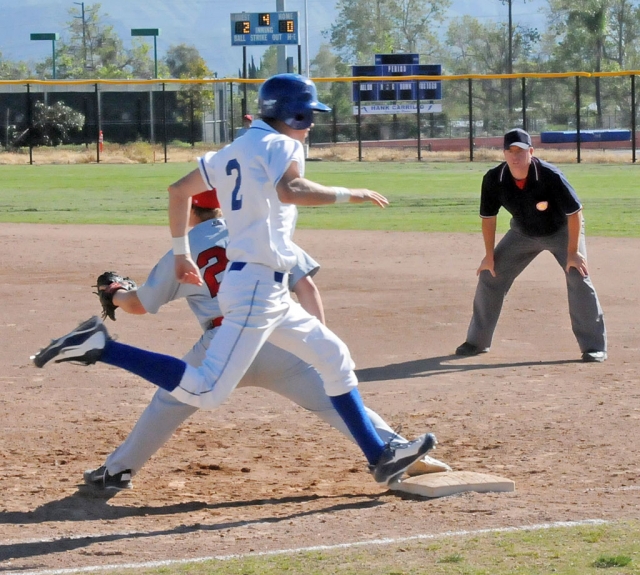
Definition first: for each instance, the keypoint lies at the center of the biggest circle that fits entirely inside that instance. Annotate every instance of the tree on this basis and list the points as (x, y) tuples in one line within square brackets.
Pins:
[(482, 48), (593, 35), (368, 27), (10, 70), (92, 49), (51, 126), (184, 61)]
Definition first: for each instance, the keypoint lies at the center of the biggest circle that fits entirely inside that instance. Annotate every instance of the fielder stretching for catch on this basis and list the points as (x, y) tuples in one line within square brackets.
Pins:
[(260, 180), (273, 369)]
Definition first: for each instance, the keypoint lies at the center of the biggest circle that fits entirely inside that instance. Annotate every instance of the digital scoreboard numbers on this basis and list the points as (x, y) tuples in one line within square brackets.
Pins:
[(264, 28)]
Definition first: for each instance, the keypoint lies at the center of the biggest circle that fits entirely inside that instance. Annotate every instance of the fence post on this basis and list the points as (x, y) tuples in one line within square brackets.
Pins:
[(232, 133), (244, 84), (98, 123), (334, 125), (578, 138), (192, 127), (29, 123), (419, 122), (359, 118), (470, 120), (633, 118), (524, 105), (164, 120)]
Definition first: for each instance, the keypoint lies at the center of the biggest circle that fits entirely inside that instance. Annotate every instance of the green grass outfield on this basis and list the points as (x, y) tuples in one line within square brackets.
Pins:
[(424, 197)]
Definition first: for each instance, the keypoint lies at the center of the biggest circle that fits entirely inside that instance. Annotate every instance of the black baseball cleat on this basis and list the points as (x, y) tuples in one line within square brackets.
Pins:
[(101, 480), (468, 349), (83, 345), (397, 456)]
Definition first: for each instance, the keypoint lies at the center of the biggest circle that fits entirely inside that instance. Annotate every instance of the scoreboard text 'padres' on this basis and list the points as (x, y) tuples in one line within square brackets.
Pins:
[(264, 28)]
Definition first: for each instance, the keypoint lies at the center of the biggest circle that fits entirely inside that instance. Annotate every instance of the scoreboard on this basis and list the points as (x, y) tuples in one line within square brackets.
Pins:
[(264, 28), (397, 65)]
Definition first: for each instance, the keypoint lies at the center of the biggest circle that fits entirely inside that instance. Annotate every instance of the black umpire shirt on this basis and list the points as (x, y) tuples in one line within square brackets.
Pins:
[(541, 208)]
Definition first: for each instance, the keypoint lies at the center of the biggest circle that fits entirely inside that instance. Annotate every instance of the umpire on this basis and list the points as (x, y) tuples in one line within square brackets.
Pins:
[(546, 215)]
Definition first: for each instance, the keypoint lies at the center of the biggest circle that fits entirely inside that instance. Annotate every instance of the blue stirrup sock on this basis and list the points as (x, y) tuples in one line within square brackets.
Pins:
[(350, 407), (164, 371)]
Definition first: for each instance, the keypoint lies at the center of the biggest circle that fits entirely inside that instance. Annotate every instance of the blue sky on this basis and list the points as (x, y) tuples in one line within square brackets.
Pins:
[(204, 23)]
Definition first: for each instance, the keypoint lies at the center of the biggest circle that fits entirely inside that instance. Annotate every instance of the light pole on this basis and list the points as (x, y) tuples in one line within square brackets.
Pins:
[(155, 32), (306, 39), (49, 36)]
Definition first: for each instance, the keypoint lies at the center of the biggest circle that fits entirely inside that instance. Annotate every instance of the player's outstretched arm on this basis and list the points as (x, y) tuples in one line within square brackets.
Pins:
[(129, 302), (294, 189), (180, 194)]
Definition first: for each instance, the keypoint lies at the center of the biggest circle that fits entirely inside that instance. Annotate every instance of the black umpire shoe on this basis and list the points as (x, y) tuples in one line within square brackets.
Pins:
[(468, 349), (83, 345), (101, 480)]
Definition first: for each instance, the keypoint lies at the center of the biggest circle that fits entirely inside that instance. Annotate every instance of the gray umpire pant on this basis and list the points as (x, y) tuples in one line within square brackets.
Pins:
[(514, 252)]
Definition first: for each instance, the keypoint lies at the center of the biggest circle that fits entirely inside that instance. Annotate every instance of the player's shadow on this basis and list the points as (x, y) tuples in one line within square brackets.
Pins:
[(78, 507), (442, 364)]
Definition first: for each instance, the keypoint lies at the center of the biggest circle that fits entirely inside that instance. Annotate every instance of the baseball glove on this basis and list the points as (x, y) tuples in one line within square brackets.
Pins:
[(107, 284)]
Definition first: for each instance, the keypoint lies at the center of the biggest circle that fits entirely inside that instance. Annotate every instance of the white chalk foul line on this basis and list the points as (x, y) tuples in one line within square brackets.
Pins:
[(170, 562)]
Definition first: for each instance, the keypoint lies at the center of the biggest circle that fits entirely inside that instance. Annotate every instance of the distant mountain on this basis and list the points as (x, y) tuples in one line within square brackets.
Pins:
[(203, 23)]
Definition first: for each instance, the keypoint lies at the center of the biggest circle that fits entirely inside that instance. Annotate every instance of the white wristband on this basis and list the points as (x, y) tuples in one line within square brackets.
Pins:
[(180, 246), (342, 195)]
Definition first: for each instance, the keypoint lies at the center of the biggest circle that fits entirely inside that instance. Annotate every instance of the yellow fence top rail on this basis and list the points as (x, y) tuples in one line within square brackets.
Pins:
[(350, 79)]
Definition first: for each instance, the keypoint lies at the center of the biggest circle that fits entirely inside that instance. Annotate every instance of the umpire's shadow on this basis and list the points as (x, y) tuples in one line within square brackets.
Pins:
[(79, 507), (441, 364)]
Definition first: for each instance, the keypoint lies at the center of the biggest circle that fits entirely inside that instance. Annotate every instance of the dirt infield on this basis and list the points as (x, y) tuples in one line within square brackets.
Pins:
[(261, 474)]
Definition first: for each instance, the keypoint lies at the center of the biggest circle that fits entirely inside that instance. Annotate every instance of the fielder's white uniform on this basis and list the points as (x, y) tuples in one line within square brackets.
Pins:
[(254, 296), (273, 368)]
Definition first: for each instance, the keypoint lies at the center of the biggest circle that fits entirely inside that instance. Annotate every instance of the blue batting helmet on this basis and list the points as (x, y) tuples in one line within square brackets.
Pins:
[(291, 98)]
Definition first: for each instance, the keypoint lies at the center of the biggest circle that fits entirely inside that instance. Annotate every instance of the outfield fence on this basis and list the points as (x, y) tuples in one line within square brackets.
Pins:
[(567, 111)]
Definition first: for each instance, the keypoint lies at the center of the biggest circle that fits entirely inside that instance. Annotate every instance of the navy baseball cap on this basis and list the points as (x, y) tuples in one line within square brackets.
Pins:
[(517, 137)]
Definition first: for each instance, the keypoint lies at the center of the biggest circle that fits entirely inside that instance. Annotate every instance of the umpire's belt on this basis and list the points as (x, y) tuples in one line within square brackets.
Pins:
[(237, 266)]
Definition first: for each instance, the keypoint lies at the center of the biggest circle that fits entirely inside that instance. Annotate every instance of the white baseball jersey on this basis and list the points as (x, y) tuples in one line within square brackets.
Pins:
[(208, 241), (260, 226)]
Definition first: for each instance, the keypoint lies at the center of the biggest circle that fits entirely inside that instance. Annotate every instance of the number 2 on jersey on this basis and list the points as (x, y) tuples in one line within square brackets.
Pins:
[(236, 199), (218, 256)]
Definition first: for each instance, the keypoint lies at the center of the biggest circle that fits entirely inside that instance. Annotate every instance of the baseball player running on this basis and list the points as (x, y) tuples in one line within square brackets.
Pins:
[(260, 180), (546, 215), (273, 369)]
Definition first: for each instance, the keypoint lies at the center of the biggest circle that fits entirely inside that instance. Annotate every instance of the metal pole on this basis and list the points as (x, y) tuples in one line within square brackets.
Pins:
[(30, 123), (419, 120), (300, 60), (155, 57), (358, 124), (306, 40), (233, 128), (633, 119), (164, 120), (53, 42), (524, 105), (244, 85), (578, 138), (334, 124), (98, 123), (280, 49), (510, 62), (470, 120)]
